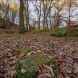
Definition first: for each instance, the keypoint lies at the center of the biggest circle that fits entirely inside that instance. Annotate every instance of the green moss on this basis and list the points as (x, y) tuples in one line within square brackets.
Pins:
[(40, 30), (25, 50), (37, 30)]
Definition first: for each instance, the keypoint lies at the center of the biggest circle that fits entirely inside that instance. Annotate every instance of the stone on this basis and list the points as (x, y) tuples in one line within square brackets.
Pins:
[(75, 66)]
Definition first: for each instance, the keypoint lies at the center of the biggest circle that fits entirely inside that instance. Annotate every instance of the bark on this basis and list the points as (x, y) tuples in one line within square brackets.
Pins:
[(27, 15), (21, 16), (46, 11), (39, 16), (69, 12), (44, 15)]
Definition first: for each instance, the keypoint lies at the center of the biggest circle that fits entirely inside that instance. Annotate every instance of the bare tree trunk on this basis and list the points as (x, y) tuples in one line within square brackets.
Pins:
[(46, 11), (38, 8), (21, 16), (68, 27), (39, 16), (13, 16), (6, 17), (57, 19), (27, 15), (44, 14), (69, 12)]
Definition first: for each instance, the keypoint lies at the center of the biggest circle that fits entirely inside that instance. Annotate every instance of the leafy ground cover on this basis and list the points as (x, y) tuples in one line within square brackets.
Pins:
[(19, 47)]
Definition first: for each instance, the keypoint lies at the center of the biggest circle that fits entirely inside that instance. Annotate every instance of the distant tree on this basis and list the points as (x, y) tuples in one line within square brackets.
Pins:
[(39, 10), (5, 10), (69, 5), (13, 11), (46, 7), (44, 2), (49, 11), (59, 6)]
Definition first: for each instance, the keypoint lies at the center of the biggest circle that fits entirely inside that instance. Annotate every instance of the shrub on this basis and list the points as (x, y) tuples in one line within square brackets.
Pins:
[(60, 32), (73, 32), (28, 67)]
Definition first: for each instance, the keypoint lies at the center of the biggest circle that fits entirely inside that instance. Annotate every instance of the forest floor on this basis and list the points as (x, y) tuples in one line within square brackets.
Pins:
[(38, 42)]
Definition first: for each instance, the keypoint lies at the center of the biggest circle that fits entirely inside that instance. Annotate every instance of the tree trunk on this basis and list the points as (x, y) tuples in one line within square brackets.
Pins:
[(44, 15), (21, 16), (27, 15), (39, 16)]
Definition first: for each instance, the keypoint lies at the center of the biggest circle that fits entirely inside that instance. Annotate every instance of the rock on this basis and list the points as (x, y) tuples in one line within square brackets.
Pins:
[(45, 75), (75, 66), (39, 51), (75, 54)]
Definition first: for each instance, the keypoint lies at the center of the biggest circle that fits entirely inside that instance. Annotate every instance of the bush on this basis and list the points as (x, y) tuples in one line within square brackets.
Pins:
[(60, 32), (28, 67), (73, 32)]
